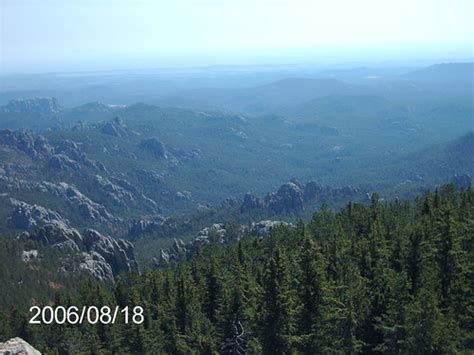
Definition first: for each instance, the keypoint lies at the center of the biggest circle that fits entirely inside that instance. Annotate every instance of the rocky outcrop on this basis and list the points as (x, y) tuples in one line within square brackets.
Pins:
[(150, 177), (216, 233), (122, 192), (115, 128), (87, 207), (57, 236), (17, 346), (44, 105), (118, 253), (63, 162), (35, 146), (116, 193), (127, 185), (183, 196), (312, 189), (288, 199), (251, 201), (346, 191), (102, 256), (159, 226), (155, 147), (141, 227), (96, 265), (291, 197), (66, 155), (26, 216), (264, 228), (183, 155), (176, 252), (230, 202), (213, 234), (110, 129), (71, 149), (29, 255)]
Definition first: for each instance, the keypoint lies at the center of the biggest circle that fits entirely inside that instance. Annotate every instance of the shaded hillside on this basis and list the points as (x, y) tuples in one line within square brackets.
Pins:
[(433, 165), (446, 159)]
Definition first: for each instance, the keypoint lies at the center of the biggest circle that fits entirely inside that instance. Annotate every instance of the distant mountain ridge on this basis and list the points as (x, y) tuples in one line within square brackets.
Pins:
[(445, 72), (343, 104), (264, 98)]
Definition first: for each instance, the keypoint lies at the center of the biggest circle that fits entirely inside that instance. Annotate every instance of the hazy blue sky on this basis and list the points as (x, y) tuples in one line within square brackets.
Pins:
[(44, 35)]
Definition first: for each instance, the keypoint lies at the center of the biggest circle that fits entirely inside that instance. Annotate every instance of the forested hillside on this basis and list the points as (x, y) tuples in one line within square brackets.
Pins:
[(379, 278)]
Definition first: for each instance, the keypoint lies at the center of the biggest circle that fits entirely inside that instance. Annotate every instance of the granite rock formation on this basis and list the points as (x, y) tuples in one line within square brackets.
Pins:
[(44, 105), (100, 255)]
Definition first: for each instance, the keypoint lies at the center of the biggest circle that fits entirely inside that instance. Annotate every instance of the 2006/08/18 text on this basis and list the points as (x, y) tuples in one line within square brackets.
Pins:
[(89, 314)]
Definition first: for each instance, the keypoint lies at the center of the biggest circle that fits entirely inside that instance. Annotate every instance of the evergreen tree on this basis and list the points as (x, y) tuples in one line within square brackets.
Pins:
[(277, 326), (311, 292)]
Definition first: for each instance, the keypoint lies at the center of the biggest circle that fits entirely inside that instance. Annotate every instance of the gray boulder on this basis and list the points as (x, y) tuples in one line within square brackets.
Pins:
[(29, 255)]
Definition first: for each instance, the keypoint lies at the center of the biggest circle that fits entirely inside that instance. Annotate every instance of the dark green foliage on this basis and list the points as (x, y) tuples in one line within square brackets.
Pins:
[(386, 278)]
